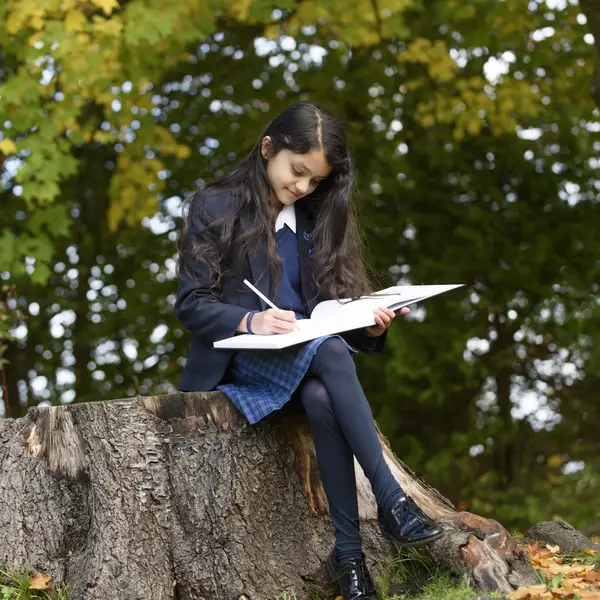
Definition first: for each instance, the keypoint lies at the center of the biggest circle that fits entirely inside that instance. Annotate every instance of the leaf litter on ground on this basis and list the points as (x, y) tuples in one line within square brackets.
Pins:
[(573, 575)]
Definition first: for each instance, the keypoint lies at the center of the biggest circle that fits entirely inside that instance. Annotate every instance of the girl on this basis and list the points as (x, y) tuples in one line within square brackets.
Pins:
[(284, 219)]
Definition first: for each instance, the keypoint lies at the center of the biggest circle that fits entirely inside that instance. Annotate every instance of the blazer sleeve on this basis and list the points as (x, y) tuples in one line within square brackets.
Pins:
[(363, 342), (197, 305)]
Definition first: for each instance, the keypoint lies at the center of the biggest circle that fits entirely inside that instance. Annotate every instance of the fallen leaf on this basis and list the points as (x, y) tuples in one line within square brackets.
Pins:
[(532, 548), (553, 549), (566, 570), (573, 584), (559, 560), (556, 593), (533, 591), (588, 595), (540, 562), (592, 576), (590, 551), (39, 581)]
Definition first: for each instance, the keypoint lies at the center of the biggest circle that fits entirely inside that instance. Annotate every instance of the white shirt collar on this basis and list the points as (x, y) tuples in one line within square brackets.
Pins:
[(286, 216)]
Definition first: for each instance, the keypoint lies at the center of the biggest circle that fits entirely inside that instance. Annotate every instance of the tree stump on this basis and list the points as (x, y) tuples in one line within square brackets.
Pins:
[(177, 497)]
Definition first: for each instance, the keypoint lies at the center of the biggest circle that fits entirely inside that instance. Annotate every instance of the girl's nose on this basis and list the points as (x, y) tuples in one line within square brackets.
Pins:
[(302, 186)]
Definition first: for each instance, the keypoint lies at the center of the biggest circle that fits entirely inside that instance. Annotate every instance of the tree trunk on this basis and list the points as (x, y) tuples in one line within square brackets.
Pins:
[(177, 497)]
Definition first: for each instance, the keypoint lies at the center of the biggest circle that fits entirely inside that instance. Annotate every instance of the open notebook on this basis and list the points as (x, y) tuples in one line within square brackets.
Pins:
[(334, 316)]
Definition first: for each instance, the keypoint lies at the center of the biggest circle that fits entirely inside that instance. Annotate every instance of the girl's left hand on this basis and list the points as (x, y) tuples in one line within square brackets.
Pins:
[(383, 319)]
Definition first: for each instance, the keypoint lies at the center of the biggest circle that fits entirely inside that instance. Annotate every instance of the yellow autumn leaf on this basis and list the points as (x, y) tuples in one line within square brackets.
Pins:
[(240, 9), (33, 39), (36, 19), (7, 147), (74, 21), (40, 581), (555, 461), (532, 591), (15, 21), (182, 151), (106, 5)]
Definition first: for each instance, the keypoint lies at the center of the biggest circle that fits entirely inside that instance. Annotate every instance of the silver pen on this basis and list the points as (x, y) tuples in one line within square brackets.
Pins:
[(261, 295)]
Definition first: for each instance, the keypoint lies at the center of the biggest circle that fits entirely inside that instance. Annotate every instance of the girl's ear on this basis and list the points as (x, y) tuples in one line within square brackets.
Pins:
[(266, 147)]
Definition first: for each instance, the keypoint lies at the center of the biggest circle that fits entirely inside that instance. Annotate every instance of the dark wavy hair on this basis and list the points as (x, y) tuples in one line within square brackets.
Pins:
[(339, 269)]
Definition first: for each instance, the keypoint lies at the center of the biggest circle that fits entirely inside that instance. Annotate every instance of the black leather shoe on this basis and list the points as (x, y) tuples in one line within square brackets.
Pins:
[(352, 576), (407, 525)]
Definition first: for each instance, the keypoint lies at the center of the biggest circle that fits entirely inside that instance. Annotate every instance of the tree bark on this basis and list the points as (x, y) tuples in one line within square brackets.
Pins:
[(177, 497)]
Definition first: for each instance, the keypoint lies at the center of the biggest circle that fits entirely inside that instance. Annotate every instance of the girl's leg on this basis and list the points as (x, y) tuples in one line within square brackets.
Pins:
[(336, 467), (333, 365)]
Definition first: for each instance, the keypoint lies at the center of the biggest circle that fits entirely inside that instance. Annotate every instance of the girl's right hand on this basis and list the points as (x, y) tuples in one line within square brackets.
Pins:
[(272, 321)]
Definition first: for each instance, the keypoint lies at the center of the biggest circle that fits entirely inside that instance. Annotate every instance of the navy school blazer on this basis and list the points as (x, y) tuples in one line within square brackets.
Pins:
[(214, 314)]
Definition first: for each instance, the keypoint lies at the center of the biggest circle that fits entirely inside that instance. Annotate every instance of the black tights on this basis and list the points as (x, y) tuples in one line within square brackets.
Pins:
[(342, 425)]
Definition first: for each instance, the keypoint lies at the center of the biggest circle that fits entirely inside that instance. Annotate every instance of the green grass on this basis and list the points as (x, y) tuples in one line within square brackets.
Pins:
[(410, 564), (286, 595), (14, 585)]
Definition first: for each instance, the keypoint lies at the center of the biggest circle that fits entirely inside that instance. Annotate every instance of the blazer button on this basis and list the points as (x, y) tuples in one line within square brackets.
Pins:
[(307, 235)]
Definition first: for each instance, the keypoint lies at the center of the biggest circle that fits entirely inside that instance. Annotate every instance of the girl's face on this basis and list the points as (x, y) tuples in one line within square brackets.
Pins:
[(293, 176)]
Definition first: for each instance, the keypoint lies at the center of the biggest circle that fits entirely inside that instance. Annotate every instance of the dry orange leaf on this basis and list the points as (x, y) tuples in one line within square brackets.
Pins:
[(540, 562), (574, 570), (592, 576), (590, 551), (556, 593), (573, 584), (39, 581), (532, 591), (532, 548), (588, 595)]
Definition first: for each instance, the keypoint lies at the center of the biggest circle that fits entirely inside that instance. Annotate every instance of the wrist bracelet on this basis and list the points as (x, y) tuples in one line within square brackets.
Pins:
[(250, 315)]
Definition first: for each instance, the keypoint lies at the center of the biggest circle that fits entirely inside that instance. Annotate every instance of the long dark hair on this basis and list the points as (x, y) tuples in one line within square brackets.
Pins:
[(339, 269)]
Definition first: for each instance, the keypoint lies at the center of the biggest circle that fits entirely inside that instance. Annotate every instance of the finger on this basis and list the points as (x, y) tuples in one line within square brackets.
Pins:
[(282, 329), (387, 317), (287, 325), (403, 311), (285, 315), (385, 311)]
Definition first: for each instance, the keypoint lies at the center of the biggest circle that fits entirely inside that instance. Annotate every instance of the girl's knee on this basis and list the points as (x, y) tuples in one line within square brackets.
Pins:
[(333, 352), (315, 398)]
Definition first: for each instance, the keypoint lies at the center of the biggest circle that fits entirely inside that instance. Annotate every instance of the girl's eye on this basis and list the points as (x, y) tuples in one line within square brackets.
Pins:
[(298, 174)]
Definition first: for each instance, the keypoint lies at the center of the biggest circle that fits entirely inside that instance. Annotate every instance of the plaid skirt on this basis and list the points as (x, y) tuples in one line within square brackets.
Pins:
[(262, 381)]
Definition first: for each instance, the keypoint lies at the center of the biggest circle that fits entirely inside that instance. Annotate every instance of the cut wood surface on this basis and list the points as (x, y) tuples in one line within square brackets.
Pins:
[(177, 497)]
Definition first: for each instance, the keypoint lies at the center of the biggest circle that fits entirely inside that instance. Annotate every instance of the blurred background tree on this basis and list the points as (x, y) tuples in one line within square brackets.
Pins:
[(476, 141)]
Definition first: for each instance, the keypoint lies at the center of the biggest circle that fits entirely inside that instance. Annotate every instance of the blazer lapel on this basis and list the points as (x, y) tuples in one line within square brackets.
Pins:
[(306, 250), (258, 257)]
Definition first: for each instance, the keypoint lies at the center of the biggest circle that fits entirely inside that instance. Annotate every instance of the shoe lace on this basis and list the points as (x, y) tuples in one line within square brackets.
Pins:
[(410, 515), (409, 508), (354, 569)]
